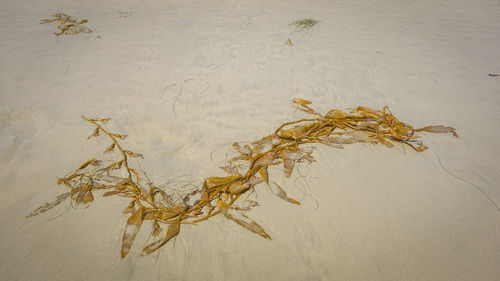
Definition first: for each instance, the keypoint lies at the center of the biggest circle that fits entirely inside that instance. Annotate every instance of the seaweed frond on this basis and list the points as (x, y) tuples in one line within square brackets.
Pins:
[(68, 24), (304, 24), (247, 170)]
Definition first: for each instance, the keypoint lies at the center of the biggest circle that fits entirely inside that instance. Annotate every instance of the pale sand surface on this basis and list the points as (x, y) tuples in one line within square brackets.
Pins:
[(367, 213)]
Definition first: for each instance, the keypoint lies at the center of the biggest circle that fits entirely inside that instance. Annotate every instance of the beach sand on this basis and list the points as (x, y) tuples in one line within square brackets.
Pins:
[(185, 79)]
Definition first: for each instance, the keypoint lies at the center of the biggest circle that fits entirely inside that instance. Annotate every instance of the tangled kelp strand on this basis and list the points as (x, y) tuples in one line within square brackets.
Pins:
[(68, 24), (249, 168)]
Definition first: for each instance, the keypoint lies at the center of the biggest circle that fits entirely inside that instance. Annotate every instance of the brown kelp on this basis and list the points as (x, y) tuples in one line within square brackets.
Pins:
[(219, 195), (68, 24)]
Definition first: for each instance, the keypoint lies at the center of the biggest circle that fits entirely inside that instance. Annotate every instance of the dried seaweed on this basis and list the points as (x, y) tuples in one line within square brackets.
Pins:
[(68, 24), (249, 168), (304, 24)]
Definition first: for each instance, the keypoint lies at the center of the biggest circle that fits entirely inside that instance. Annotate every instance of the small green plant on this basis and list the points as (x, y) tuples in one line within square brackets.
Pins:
[(304, 24)]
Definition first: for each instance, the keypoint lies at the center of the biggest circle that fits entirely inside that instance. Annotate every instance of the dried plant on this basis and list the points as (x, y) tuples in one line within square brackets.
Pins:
[(68, 24), (304, 24), (219, 195)]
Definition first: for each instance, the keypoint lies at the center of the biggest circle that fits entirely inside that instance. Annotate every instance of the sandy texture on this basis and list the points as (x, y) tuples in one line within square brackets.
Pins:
[(368, 212)]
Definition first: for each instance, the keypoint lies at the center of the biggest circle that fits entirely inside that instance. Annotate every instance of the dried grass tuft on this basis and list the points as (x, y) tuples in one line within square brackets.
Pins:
[(304, 24)]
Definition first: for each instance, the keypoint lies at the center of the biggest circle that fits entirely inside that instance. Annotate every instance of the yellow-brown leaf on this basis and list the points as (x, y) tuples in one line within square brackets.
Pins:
[(237, 187), (95, 134), (278, 191), (130, 208), (49, 205), (133, 154), (111, 193), (245, 150), (439, 129), (172, 231), (300, 101), (264, 174), (134, 223), (88, 162), (111, 148), (215, 182), (246, 222), (88, 197), (156, 229), (288, 157)]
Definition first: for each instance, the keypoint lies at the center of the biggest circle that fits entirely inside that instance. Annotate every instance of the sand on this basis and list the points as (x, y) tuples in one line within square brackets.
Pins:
[(184, 79)]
